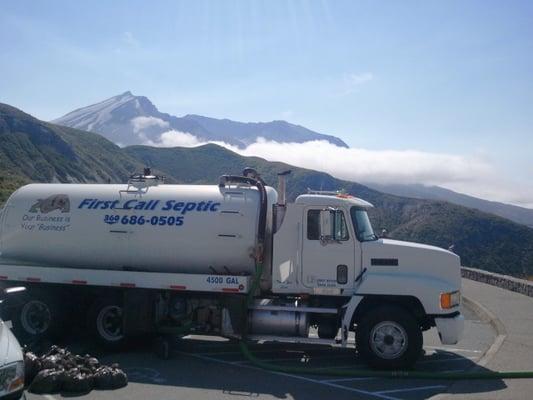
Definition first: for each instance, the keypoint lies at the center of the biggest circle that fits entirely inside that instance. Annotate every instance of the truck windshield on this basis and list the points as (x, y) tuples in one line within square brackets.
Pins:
[(362, 225)]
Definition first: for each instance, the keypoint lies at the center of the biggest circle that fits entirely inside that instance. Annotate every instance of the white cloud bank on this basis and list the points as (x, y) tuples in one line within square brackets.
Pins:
[(466, 174), (175, 139), (141, 123)]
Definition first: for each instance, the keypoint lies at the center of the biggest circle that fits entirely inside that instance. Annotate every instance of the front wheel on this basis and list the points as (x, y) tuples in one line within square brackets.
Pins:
[(389, 337)]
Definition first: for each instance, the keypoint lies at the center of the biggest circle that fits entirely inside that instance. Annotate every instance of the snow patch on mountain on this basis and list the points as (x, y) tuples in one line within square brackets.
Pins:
[(87, 118), (127, 120)]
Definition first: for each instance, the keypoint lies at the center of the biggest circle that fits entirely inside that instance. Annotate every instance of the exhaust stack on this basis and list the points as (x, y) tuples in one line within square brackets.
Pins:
[(282, 187), (281, 206)]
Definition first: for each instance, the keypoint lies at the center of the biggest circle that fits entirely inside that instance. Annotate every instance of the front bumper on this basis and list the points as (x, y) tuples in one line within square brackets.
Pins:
[(19, 395), (450, 329)]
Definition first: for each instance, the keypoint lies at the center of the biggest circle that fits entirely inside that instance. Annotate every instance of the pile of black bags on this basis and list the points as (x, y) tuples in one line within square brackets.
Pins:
[(58, 370)]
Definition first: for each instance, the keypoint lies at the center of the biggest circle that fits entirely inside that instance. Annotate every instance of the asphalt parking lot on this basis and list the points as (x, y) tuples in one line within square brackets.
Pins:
[(213, 368)]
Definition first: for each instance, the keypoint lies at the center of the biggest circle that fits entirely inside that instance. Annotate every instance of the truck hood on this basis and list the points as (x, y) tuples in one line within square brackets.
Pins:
[(407, 257), (10, 350)]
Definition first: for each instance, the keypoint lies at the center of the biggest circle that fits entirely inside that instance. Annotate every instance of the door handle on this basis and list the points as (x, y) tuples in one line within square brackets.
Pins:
[(342, 274)]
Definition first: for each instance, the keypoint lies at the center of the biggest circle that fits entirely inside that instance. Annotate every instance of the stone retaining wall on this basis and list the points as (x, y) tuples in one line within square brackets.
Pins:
[(502, 281)]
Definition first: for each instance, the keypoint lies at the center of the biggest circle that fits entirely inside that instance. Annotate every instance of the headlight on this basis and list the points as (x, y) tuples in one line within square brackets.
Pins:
[(12, 377), (450, 300)]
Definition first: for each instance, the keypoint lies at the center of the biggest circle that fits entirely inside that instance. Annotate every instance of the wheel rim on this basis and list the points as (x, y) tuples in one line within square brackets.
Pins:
[(109, 323), (388, 340), (35, 317)]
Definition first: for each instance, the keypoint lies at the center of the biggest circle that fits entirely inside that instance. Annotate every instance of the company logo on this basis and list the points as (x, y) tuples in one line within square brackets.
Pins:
[(56, 202)]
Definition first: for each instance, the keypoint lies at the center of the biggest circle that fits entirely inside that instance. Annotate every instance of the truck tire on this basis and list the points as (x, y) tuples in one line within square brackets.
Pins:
[(389, 337), (106, 322), (38, 315)]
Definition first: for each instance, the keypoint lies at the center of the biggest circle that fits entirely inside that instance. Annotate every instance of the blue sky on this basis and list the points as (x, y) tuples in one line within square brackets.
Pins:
[(451, 77)]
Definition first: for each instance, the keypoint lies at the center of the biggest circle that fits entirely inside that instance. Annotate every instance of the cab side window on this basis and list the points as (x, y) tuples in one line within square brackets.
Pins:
[(339, 227)]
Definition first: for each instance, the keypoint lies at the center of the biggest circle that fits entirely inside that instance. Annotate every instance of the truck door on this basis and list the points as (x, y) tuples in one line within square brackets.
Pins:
[(328, 265)]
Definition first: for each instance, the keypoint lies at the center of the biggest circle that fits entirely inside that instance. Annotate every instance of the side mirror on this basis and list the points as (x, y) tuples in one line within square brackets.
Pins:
[(7, 294), (384, 233), (326, 226)]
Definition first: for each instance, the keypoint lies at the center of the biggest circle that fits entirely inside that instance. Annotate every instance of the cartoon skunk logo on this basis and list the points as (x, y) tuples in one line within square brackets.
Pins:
[(55, 202)]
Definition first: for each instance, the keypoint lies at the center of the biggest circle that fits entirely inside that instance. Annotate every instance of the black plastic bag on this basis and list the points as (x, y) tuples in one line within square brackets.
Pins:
[(47, 381), (91, 362), (51, 362), (103, 378), (60, 370), (108, 378), (120, 378), (77, 381), (32, 366), (55, 350)]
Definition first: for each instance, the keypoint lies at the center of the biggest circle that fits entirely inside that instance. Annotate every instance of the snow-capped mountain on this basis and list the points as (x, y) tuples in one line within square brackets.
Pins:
[(127, 120)]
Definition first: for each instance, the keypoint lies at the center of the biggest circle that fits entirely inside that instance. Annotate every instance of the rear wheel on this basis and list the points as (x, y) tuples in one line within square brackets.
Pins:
[(107, 322), (389, 337)]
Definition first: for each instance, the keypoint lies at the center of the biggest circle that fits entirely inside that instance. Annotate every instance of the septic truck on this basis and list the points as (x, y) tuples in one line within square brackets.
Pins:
[(234, 260)]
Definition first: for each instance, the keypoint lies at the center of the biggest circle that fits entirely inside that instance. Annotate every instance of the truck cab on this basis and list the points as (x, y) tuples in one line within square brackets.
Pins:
[(389, 290)]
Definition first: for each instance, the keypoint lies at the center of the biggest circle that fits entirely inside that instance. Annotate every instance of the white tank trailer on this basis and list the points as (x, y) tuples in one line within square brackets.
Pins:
[(197, 229), (145, 257)]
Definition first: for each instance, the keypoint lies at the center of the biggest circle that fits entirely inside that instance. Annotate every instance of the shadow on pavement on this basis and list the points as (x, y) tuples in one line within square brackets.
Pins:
[(219, 368)]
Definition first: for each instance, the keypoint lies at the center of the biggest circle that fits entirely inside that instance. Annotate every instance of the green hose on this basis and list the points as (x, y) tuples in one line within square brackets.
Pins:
[(357, 373)]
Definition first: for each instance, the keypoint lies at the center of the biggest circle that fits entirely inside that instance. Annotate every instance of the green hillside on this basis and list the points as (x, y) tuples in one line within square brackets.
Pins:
[(33, 150), (482, 240)]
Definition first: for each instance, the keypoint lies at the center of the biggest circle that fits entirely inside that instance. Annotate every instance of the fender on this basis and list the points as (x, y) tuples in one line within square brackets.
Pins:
[(426, 288)]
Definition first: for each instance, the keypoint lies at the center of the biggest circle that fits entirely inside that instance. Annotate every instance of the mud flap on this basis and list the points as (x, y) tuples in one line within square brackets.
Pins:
[(138, 317), (236, 306)]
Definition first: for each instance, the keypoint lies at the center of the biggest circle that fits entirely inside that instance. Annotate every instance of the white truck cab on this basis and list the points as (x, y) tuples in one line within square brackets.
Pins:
[(326, 248)]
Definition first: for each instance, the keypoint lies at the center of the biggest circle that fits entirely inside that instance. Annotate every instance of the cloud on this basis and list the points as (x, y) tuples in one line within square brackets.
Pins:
[(473, 175), (352, 81), (129, 39), (127, 43), (175, 139), (362, 165), (141, 123), (287, 114), (358, 79)]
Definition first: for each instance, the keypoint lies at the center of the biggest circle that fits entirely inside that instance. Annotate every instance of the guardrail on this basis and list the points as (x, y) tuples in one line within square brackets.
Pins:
[(503, 281)]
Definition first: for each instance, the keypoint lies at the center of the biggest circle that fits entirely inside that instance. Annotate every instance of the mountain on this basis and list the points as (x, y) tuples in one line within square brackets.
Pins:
[(33, 150), (482, 240), (517, 214), (128, 120), (247, 133)]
